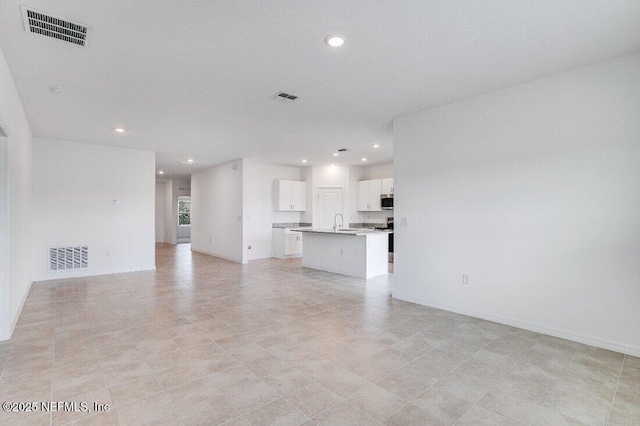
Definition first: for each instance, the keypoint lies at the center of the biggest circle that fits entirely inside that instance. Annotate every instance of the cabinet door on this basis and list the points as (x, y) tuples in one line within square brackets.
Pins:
[(363, 196), (299, 196), (285, 197), (290, 244), (299, 245), (375, 189), (387, 186)]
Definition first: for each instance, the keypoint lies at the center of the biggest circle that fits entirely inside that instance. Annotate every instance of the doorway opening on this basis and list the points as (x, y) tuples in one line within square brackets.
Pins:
[(184, 219)]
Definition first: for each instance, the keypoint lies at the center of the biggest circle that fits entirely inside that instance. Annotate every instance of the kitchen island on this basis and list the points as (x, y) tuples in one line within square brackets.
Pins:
[(361, 253)]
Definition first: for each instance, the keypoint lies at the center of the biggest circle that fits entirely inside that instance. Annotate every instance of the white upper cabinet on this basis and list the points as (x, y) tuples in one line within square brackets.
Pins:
[(299, 196), (387, 186), (290, 196), (369, 192), (375, 189), (363, 196)]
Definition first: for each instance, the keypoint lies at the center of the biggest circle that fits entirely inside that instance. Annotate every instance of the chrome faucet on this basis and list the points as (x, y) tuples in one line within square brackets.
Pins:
[(335, 221)]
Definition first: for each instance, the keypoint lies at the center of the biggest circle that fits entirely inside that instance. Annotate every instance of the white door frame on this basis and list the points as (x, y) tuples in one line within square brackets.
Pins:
[(316, 211)]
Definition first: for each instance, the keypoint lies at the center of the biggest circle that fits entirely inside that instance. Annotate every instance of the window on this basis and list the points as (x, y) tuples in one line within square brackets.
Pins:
[(184, 212)]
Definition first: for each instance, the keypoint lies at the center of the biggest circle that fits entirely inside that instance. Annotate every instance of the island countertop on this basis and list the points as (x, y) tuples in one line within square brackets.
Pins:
[(346, 231)]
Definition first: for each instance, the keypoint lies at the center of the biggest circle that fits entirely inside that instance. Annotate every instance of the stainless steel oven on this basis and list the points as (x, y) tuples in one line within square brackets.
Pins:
[(386, 201)]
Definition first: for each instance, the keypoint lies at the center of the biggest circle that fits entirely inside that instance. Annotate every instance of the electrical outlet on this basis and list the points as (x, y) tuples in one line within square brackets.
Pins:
[(465, 279)]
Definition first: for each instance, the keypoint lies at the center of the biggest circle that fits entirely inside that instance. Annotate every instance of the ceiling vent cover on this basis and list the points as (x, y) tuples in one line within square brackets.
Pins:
[(283, 97), (45, 24), (68, 258)]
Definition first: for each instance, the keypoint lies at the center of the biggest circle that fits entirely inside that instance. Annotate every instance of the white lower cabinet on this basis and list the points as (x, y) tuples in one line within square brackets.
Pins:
[(286, 243)]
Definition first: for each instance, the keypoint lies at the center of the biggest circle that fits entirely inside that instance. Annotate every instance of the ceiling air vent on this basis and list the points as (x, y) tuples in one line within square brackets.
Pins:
[(283, 97), (45, 24)]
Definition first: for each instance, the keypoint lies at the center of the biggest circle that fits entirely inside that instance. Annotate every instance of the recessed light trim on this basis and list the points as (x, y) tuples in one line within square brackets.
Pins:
[(335, 154), (160, 172), (120, 130), (375, 145), (334, 40), (189, 160), (304, 160), (364, 159)]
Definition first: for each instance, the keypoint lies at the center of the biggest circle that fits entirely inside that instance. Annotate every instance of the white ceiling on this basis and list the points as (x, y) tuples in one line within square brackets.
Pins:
[(192, 78)]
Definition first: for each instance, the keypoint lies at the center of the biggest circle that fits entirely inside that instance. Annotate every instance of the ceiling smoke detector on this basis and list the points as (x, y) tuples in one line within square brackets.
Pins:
[(283, 97), (43, 23)]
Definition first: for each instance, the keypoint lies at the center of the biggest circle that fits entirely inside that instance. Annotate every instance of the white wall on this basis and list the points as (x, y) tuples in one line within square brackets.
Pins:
[(15, 205), (217, 211), (534, 191), (74, 185), (259, 211), (379, 171), (160, 212)]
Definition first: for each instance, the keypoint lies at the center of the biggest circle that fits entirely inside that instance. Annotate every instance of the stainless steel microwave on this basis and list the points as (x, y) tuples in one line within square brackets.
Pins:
[(386, 201)]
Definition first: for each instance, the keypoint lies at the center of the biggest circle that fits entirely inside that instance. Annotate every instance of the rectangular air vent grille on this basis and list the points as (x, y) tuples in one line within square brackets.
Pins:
[(283, 97), (44, 24), (68, 258)]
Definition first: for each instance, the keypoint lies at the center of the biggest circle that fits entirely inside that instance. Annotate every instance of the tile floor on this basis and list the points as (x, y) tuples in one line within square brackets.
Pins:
[(206, 341)]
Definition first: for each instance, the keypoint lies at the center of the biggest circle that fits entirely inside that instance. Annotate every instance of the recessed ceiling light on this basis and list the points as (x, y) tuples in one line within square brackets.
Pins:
[(364, 159), (59, 90), (119, 130), (376, 145), (304, 161), (334, 40), (189, 160), (160, 172), (335, 154)]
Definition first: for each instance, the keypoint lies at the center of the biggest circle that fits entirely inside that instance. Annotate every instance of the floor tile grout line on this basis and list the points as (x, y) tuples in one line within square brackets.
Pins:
[(455, 368), (400, 369), (615, 393), (104, 378), (559, 377)]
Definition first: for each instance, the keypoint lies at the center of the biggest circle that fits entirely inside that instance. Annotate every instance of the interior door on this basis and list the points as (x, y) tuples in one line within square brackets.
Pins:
[(330, 203)]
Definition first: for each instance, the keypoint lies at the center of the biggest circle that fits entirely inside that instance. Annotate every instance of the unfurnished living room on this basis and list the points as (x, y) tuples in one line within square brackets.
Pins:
[(198, 222)]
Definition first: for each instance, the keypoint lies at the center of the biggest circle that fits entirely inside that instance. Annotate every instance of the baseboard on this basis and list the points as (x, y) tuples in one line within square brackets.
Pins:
[(88, 273), (538, 328), (14, 320), (217, 255)]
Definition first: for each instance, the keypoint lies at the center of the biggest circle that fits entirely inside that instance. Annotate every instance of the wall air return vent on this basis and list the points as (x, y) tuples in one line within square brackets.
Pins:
[(68, 258), (45, 24), (283, 97)]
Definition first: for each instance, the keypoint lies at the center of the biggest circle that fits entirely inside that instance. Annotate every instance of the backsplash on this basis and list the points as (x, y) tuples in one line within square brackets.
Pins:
[(367, 225), (291, 225)]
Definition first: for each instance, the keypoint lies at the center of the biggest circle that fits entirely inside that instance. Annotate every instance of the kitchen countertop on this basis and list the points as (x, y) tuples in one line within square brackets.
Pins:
[(344, 231)]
